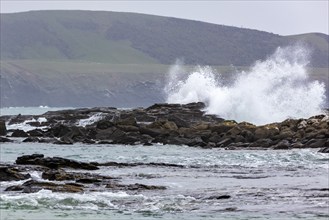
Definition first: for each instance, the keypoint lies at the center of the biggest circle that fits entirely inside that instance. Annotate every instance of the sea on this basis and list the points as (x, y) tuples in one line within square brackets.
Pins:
[(210, 184)]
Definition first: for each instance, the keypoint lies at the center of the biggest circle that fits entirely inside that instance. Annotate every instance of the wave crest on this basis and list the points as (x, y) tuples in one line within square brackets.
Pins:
[(272, 90)]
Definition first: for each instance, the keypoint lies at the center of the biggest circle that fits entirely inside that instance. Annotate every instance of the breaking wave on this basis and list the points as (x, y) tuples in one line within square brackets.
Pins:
[(272, 90)]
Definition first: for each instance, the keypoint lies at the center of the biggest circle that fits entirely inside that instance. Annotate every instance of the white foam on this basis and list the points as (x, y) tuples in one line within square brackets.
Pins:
[(273, 90), (27, 127), (92, 119), (91, 200)]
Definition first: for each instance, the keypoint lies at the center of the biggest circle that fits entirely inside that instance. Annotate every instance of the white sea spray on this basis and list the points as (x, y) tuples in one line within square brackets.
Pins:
[(272, 90)]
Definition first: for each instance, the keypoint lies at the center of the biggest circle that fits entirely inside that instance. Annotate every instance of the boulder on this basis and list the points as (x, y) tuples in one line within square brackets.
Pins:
[(282, 145), (266, 131)]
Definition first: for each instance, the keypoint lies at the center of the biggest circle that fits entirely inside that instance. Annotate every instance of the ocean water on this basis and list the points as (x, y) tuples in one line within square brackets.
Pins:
[(263, 184), (29, 110)]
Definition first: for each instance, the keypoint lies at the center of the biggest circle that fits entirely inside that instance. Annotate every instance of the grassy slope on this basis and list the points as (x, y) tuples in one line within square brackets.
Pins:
[(57, 83), (83, 58), (114, 37), (63, 36)]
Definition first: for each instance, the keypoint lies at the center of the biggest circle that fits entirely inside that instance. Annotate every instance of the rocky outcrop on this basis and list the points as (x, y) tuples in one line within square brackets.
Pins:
[(56, 177), (171, 124), (54, 162)]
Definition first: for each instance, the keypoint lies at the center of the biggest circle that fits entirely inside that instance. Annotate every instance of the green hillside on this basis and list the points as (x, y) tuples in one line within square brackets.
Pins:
[(87, 58), (114, 37)]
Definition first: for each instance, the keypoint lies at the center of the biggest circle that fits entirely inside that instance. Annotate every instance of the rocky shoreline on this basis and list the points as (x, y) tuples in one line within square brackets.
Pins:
[(165, 124)]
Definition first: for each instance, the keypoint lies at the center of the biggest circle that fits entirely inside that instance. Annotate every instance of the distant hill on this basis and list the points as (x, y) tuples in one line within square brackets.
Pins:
[(88, 58), (115, 37)]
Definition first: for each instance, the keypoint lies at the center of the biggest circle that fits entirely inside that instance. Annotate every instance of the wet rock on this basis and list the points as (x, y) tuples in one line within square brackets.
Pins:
[(65, 140), (58, 175), (134, 187), (316, 143), (31, 139), (54, 162), (129, 121), (3, 129), (267, 131), (3, 139), (282, 145), (324, 150), (35, 133), (224, 143), (104, 124), (218, 197), (11, 174), (19, 133), (33, 186), (88, 180), (14, 188), (262, 143)]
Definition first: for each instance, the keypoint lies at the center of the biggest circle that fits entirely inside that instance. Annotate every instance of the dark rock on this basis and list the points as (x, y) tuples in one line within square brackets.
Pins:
[(54, 162), (173, 124), (11, 174), (105, 142), (14, 188), (152, 131), (262, 143), (3, 139), (282, 145), (217, 197), (130, 121), (19, 133), (316, 143), (224, 142), (134, 187), (266, 131), (58, 175), (104, 124), (31, 139), (3, 129), (33, 186), (324, 150), (35, 133), (88, 180), (59, 130)]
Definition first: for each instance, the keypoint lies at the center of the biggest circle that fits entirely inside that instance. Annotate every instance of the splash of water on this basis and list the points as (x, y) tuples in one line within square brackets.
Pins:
[(272, 90)]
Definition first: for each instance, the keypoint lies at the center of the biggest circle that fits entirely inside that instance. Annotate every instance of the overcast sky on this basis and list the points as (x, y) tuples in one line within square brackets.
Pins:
[(279, 17)]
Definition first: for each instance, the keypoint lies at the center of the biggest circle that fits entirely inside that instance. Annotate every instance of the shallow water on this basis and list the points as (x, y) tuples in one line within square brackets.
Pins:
[(261, 184)]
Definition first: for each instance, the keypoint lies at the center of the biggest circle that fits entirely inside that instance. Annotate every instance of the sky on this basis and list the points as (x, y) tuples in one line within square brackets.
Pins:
[(278, 16)]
